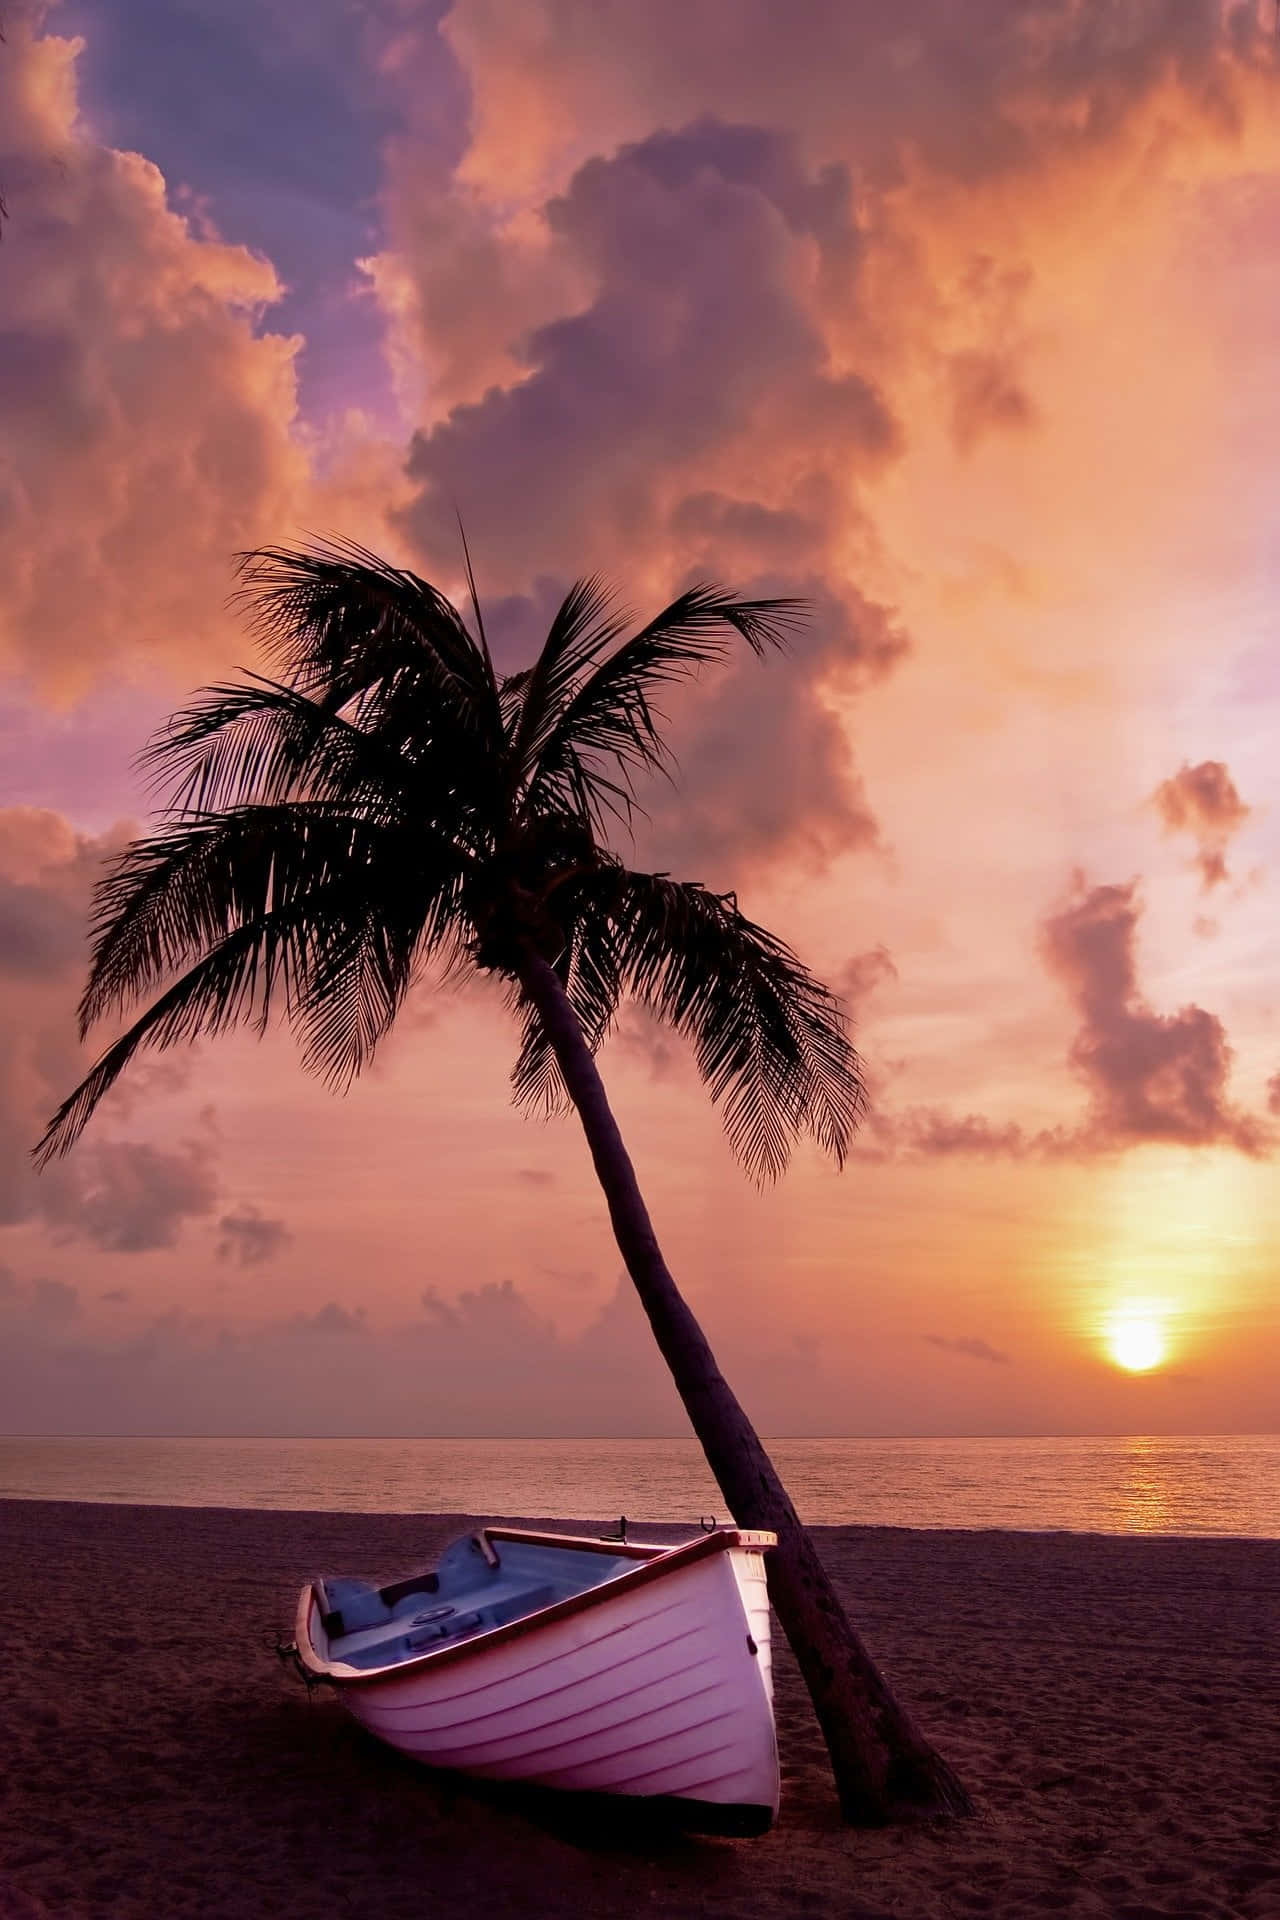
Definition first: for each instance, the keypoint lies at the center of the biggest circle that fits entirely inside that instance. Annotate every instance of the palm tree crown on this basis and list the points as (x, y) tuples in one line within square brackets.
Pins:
[(390, 803)]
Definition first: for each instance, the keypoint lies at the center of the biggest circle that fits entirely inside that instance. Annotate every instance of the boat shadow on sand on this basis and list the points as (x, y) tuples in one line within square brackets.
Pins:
[(360, 1769)]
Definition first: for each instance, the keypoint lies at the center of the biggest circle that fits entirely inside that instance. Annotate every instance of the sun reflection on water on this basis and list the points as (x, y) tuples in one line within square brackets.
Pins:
[(1144, 1495)]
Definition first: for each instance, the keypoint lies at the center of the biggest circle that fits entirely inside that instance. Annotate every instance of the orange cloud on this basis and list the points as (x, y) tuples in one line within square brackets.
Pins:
[(148, 420), (145, 420)]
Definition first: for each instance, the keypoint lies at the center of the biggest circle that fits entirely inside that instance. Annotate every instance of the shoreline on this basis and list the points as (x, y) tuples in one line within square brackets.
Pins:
[(1113, 1701), (1188, 1487), (660, 1529)]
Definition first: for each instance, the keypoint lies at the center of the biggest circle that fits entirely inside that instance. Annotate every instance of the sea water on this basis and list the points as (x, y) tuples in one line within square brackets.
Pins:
[(1186, 1485)]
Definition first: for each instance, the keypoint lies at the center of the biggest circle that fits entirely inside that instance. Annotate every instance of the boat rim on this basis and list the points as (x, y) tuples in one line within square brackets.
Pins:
[(653, 1562)]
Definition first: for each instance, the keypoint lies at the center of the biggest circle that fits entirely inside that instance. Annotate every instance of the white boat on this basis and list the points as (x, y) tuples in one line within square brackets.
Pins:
[(601, 1666)]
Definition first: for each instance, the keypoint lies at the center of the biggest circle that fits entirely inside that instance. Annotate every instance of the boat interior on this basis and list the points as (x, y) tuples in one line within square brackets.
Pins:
[(478, 1584)]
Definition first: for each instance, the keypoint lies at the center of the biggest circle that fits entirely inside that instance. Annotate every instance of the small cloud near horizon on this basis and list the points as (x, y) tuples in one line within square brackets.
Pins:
[(247, 1237), (969, 1347)]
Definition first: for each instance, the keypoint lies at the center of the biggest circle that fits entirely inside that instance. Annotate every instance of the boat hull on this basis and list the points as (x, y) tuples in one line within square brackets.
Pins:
[(662, 1691)]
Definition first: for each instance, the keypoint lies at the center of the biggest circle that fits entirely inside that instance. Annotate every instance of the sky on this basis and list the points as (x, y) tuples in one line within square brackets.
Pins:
[(955, 317)]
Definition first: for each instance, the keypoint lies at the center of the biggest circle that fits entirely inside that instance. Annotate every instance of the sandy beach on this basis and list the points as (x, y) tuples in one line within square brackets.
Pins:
[(1114, 1704)]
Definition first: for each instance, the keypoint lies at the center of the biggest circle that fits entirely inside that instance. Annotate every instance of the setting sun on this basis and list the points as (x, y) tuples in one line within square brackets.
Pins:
[(1136, 1345)]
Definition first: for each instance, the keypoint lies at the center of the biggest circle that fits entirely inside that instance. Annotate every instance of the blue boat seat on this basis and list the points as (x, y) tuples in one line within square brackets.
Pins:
[(348, 1606)]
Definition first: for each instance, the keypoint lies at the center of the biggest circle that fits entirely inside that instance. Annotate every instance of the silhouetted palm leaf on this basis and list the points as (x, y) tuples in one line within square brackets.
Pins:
[(347, 625), (258, 740), (770, 1041), (300, 900), (608, 715)]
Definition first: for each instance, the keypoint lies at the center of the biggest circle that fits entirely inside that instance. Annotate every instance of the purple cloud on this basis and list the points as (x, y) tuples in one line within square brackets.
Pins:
[(247, 1237)]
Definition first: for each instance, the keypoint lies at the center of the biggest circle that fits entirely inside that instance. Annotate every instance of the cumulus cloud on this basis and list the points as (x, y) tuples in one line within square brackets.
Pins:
[(1152, 1076), (149, 423), (128, 1196), (765, 765), (972, 94), (1202, 801), (696, 424), (144, 418), (247, 1237)]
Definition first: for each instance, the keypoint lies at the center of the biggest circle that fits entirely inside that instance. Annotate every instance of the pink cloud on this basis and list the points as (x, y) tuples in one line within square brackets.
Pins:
[(1202, 801), (1152, 1076), (860, 977)]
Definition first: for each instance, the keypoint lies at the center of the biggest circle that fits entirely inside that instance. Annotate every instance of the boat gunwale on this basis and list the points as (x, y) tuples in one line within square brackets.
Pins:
[(652, 1563)]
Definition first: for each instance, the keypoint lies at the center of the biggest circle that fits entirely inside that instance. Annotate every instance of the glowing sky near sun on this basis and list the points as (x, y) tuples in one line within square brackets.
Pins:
[(958, 320)]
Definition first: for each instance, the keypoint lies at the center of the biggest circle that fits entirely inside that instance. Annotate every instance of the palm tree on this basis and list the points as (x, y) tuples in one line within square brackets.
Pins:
[(391, 806)]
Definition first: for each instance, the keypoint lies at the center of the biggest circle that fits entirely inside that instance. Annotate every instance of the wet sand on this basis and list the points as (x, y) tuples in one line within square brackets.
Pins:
[(1113, 1704)]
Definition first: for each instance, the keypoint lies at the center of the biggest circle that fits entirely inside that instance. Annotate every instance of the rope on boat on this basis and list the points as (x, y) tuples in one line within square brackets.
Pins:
[(287, 1654)]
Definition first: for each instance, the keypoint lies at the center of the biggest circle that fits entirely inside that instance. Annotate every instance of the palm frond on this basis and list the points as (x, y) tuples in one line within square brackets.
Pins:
[(172, 895), (258, 741), (230, 984), (299, 903), (481, 635), (362, 967), (349, 626), (608, 717), (770, 1041), (583, 626)]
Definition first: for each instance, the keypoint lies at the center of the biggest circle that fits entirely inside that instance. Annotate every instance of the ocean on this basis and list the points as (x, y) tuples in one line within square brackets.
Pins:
[(1210, 1484)]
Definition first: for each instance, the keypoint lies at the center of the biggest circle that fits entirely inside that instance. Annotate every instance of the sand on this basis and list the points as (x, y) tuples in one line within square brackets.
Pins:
[(1114, 1705)]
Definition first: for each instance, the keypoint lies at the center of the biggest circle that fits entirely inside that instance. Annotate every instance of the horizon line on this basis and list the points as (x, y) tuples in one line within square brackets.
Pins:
[(641, 1439)]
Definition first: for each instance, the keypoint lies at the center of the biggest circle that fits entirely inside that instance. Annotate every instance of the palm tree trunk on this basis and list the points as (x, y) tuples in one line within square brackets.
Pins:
[(882, 1764)]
